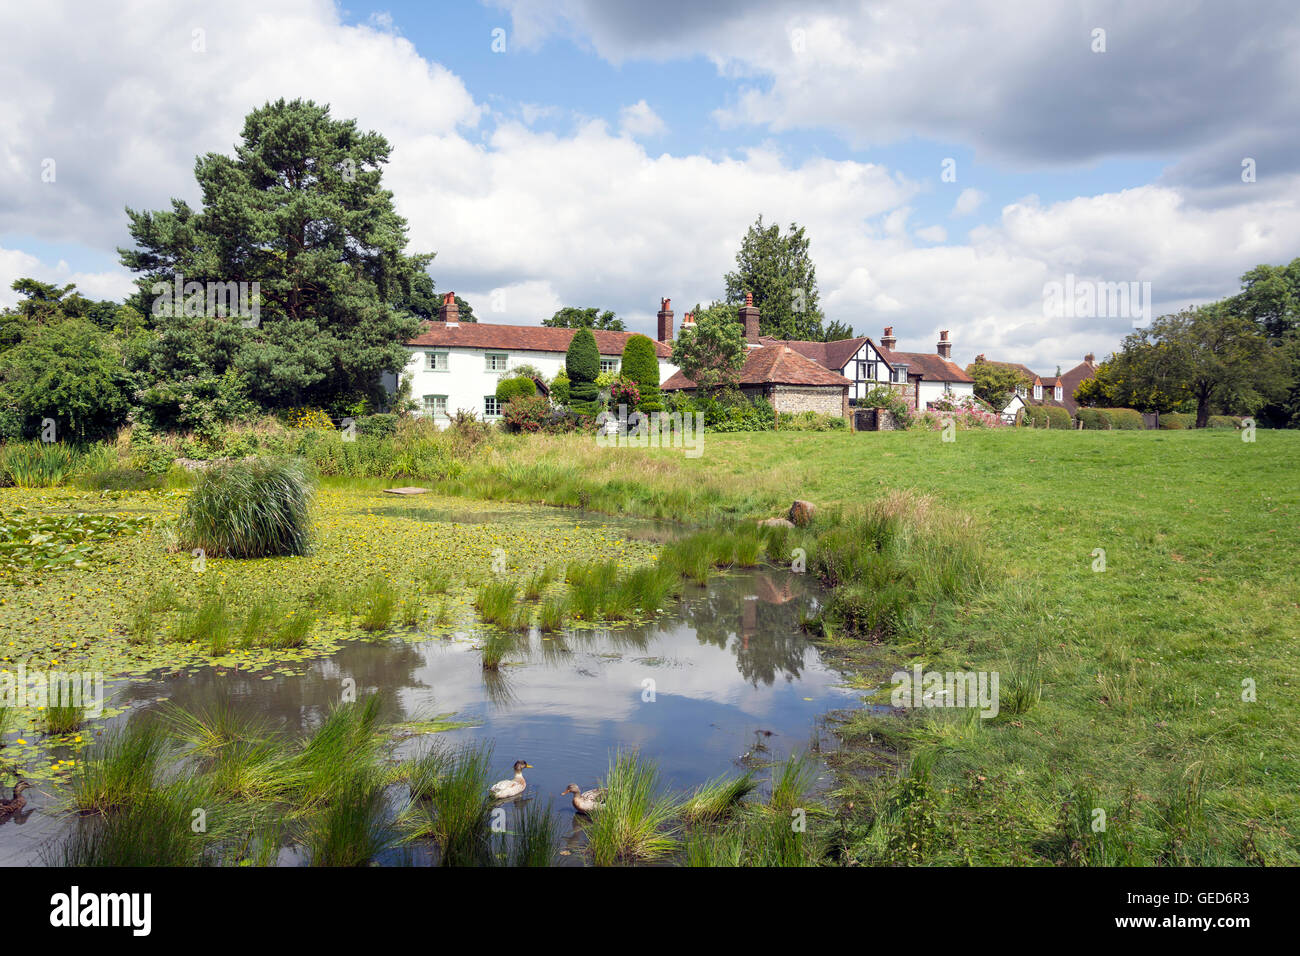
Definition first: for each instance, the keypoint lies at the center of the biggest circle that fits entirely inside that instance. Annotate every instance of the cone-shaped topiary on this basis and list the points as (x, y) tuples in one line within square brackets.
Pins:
[(641, 365), (582, 364)]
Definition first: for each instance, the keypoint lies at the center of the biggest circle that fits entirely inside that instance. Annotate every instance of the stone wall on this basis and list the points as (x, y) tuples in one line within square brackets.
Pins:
[(823, 399)]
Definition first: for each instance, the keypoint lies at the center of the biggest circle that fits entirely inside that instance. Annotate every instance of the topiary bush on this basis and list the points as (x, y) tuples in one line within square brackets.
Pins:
[(512, 388), (253, 509), (582, 366), (1094, 419), (641, 365)]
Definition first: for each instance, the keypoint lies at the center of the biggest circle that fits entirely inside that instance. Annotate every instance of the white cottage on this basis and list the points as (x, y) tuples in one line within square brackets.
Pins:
[(455, 366)]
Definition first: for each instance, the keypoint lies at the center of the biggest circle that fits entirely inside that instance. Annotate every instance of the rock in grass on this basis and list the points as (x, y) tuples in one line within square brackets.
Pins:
[(776, 523), (405, 491)]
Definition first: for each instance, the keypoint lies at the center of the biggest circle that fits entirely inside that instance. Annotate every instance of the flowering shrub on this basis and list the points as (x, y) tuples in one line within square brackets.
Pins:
[(963, 418), (303, 417), (526, 413), (624, 391)]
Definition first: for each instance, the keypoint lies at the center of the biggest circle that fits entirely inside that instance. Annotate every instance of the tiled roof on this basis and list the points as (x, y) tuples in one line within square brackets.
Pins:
[(1070, 381), (520, 338), (833, 355), (775, 364), (932, 367)]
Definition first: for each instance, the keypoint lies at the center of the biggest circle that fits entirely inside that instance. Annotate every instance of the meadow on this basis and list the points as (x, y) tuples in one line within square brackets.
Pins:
[(1159, 691), (1137, 593)]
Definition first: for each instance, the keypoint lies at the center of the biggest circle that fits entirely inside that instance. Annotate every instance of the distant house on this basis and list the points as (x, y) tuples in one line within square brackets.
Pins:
[(932, 377), (774, 370), (1046, 389), (456, 366)]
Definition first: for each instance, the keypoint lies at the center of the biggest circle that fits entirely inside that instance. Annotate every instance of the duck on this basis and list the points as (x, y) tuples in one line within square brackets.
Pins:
[(11, 806), (511, 788), (584, 801)]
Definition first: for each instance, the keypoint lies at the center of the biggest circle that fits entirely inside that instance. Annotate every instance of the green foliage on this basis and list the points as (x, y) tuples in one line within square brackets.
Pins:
[(1047, 416), (529, 413), (68, 371), (1172, 420), (249, 510), (712, 351), (333, 297), (592, 318), (641, 364), (996, 382), (511, 388), (778, 270), (635, 822), (1095, 419), (582, 367), (560, 388)]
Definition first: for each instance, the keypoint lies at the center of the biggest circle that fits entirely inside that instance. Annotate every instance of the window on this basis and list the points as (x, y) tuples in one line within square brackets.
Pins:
[(435, 405), (1057, 393), (609, 365), (496, 361), (900, 374), (1038, 391), (491, 407), (866, 370), (437, 361), (1020, 390)]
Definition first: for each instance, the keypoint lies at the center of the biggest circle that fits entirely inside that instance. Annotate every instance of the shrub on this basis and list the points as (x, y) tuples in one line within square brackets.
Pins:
[(526, 413), (810, 422), (249, 510), (378, 426), (509, 389), (1128, 419), (582, 366), (641, 365), (1094, 419), (1223, 421), (1176, 420), (1047, 416), (560, 388)]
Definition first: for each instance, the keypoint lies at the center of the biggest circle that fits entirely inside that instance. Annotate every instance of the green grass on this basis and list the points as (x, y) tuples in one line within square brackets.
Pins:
[(717, 799), (120, 768), (249, 510), (1123, 679), (456, 807), (495, 602), (62, 718), (637, 821)]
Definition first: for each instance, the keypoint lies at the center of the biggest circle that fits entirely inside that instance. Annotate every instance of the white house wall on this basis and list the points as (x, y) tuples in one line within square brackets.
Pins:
[(861, 386), (934, 391), (467, 382)]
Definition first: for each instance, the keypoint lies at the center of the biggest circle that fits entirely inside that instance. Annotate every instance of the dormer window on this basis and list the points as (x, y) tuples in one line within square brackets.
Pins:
[(1056, 393), (1038, 391)]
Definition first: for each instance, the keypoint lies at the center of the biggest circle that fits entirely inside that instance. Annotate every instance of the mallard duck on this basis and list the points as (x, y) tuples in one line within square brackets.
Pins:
[(584, 801), (18, 801), (511, 788)]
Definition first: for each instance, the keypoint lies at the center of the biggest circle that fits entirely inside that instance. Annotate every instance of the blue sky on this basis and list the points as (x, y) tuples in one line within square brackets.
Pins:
[(615, 152)]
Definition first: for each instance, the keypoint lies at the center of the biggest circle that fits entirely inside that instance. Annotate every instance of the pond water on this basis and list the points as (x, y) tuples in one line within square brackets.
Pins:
[(724, 680)]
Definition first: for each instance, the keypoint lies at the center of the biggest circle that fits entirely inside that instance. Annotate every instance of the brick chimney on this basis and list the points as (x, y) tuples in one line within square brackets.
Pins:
[(449, 311), (749, 319), (688, 319), (665, 320), (945, 347), (1090, 358), (887, 340)]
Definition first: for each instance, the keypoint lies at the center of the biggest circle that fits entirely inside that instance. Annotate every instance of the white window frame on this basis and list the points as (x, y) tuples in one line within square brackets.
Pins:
[(900, 374), (487, 408), (1056, 393), (490, 360), (431, 361), (1038, 391), (431, 409), (608, 364)]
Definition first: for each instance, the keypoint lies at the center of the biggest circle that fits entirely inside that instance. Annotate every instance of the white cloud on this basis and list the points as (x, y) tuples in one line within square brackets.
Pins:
[(588, 217), (17, 264), (640, 119), (968, 201)]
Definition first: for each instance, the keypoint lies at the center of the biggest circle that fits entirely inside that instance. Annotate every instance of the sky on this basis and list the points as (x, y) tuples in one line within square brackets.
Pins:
[(950, 159)]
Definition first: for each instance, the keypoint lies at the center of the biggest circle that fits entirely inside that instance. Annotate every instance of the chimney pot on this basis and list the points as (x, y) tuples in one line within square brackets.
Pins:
[(449, 313), (665, 326), (887, 340), (945, 346), (1089, 358), (749, 316)]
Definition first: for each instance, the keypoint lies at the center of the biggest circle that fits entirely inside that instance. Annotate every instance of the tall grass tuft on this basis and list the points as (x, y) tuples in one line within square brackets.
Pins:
[(63, 718), (536, 837), (120, 769), (554, 612), (636, 822), (36, 464), (251, 509), (495, 602), (458, 807), (354, 827), (718, 798), (791, 781), (377, 601)]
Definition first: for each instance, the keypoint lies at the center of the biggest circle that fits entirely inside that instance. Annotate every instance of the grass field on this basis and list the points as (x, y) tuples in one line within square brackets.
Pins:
[(1123, 688)]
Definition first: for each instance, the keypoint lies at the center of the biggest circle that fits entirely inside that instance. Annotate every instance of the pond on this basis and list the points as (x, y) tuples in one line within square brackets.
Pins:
[(724, 680)]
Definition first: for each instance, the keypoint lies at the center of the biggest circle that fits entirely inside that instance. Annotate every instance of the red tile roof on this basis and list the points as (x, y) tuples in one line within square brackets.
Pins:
[(1070, 381), (775, 364), (833, 355), (520, 338), (932, 367)]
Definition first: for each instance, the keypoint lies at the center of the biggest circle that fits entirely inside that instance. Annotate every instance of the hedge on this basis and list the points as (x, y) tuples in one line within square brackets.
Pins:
[(1094, 419), (1047, 416), (1177, 420), (1223, 421), (1126, 419)]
